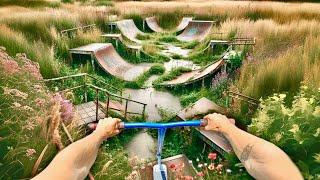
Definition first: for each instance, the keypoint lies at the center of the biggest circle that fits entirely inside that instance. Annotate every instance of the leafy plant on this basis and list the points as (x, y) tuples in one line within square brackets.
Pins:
[(295, 129)]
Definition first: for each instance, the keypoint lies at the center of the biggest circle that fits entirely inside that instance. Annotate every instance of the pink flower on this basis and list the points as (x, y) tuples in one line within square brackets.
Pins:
[(15, 92), (219, 167), (16, 105), (66, 108), (40, 102), (30, 152), (10, 66), (212, 156), (188, 178), (172, 166), (200, 174)]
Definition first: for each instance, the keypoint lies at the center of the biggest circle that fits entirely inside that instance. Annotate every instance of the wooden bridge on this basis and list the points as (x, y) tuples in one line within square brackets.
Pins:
[(97, 108)]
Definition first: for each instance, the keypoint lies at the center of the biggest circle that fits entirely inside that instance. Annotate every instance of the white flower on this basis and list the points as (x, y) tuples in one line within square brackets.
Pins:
[(317, 133), (200, 165), (205, 164), (295, 128), (197, 160), (228, 171), (190, 161)]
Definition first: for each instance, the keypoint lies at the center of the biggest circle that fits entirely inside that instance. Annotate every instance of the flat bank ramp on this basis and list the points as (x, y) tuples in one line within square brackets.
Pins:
[(198, 110), (194, 76), (154, 26), (111, 62), (129, 30), (196, 31)]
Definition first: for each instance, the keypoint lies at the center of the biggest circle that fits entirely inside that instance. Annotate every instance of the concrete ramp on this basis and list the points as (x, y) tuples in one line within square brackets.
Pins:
[(129, 30), (154, 26), (194, 76), (197, 111), (111, 62), (196, 31)]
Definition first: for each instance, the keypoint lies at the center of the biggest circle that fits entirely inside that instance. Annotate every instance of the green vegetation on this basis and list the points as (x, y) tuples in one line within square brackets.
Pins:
[(156, 69), (295, 129)]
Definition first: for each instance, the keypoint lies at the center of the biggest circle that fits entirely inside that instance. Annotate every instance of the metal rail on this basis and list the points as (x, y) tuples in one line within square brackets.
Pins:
[(98, 89), (243, 97), (77, 28)]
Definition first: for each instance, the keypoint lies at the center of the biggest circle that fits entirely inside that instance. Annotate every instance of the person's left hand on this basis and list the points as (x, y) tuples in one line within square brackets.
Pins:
[(108, 127)]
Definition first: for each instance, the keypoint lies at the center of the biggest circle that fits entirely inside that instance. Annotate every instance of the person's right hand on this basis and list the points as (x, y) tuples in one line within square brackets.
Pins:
[(108, 127), (217, 122)]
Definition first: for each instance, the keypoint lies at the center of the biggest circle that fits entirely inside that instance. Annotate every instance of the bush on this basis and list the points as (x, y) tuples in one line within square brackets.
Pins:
[(294, 129), (157, 69)]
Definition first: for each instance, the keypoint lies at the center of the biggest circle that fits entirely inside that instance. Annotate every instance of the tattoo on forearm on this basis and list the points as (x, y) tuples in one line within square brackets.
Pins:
[(246, 153)]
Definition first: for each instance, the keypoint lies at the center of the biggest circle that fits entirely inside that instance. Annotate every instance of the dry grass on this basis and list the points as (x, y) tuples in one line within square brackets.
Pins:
[(281, 12)]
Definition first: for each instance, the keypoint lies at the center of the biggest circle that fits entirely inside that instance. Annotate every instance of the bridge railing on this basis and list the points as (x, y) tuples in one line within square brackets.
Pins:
[(85, 85)]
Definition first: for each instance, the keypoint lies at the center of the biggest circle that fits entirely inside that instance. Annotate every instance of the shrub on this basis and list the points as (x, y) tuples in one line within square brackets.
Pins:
[(157, 69), (294, 129)]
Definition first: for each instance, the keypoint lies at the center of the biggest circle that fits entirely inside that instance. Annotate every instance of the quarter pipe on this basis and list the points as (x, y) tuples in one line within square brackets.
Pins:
[(154, 26), (129, 30), (196, 31), (111, 62)]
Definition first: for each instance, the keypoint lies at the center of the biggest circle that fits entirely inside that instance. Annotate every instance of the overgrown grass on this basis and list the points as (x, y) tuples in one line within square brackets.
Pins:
[(156, 69), (37, 51), (25, 3)]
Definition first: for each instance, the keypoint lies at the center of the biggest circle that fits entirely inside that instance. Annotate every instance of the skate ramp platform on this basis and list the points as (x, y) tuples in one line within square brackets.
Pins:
[(129, 30), (194, 76), (195, 31), (154, 26), (198, 110), (111, 62)]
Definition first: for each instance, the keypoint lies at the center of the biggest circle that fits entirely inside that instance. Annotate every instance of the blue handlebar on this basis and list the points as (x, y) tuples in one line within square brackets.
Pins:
[(195, 123)]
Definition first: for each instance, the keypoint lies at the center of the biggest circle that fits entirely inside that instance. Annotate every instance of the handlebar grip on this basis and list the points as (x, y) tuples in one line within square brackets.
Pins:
[(204, 122)]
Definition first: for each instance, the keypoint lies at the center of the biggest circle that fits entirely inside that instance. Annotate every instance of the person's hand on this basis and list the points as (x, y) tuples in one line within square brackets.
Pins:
[(108, 127), (218, 122)]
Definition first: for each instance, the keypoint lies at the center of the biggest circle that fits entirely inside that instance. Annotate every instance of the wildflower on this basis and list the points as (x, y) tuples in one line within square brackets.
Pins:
[(211, 167), (27, 108), (9, 148), (188, 178), (172, 166), (30, 152), (200, 174), (205, 164), (229, 171), (190, 162), (200, 165), (197, 160), (40, 102), (219, 167), (15, 92), (212, 156), (38, 88), (317, 133), (30, 125), (10, 66), (295, 128), (16, 105)]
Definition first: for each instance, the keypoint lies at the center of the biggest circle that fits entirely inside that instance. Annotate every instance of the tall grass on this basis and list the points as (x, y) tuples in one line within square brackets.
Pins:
[(284, 73), (280, 12), (15, 43)]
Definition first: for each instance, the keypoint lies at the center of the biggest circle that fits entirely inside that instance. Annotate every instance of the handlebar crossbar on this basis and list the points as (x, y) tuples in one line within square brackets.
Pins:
[(153, 125)]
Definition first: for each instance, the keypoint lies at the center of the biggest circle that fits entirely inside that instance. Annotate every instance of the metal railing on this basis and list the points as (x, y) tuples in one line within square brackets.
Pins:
[(98, 89), (242, 97), (66, 31)]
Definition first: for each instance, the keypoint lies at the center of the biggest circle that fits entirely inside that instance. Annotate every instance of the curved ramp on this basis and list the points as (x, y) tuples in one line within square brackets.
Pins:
[(129, 30), (196, 31), (111, 62), (194, 76), (154, 26)]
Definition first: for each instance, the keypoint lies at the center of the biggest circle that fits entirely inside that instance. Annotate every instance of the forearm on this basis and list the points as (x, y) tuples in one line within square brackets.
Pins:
[(262, 159), (74, 161)]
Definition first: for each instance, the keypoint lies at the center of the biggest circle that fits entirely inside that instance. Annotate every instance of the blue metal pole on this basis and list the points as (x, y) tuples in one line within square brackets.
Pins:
[(153, 125)]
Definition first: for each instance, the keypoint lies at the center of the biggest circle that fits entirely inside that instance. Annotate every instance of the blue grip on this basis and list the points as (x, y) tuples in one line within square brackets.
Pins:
[(195, 123)]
